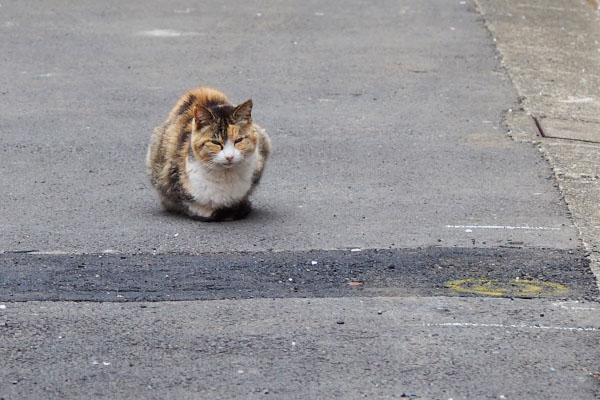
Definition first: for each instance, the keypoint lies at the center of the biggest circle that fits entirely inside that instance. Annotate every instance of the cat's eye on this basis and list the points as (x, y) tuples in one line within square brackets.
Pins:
[(238, 140), (217, 143)]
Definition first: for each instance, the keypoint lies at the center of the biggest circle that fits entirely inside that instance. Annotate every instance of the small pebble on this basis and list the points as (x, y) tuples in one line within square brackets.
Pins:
[(339, 322), (380, 312)]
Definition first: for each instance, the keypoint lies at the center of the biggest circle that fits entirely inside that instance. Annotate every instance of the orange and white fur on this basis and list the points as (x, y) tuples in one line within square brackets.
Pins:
[(207, 157)]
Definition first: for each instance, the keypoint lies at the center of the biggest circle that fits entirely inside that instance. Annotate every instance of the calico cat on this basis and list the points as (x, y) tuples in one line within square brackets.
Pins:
[(207, 157)]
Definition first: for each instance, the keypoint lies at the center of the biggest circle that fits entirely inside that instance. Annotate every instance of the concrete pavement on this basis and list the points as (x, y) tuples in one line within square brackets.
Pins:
[(552, 54)]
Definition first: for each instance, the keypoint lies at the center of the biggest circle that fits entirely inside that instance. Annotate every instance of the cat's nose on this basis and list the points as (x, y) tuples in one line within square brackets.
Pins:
[(229, 158)]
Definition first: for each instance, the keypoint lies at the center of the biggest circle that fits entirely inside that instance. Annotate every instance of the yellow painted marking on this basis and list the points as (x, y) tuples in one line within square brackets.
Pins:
[(516, 287)]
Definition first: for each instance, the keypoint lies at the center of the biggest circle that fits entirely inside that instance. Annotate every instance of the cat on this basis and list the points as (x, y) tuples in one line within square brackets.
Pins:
[(207, 157)]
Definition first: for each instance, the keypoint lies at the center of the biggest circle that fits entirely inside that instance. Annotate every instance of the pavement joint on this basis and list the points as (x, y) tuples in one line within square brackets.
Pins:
[(505, 272)]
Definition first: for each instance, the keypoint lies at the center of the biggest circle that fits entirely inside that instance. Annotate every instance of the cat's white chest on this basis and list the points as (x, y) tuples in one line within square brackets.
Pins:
[(221, 187)]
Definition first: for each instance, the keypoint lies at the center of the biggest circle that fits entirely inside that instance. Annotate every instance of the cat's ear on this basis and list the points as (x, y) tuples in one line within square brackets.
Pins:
[(203, 116), (242, 114)]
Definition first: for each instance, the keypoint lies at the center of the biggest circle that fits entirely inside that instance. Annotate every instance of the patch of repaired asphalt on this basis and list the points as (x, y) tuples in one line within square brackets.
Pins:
[(504, 272)]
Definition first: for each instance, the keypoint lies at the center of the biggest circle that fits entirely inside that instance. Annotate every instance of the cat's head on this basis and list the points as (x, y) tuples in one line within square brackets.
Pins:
[(223, 135)]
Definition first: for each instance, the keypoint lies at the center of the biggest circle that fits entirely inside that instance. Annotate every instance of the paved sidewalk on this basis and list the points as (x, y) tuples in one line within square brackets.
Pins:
[(552, 54)]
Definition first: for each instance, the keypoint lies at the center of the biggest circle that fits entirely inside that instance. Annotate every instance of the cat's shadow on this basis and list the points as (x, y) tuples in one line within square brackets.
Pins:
[(256, 215)]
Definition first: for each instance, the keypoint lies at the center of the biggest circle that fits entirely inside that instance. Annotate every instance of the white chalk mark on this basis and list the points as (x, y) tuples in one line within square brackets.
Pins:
[(355, 250), (508, 227), (53, 252), (543, 7), (512, 326), (573, 100), (562, 305), (186, 11), (166, 33)]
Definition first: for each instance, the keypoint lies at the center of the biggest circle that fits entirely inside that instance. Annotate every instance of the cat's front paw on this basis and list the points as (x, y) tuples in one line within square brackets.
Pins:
[(200, 213)]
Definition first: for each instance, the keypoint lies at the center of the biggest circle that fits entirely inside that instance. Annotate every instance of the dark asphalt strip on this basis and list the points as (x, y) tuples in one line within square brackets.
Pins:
[(503, 272)]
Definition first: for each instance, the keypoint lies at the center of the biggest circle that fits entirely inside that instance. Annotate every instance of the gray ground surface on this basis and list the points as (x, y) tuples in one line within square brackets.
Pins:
[(427, 348), (387, 125)]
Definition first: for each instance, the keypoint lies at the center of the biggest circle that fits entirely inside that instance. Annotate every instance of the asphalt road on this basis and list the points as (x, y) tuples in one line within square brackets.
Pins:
[(317, 273), (427, 348), (385, 120), (402, 244)]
